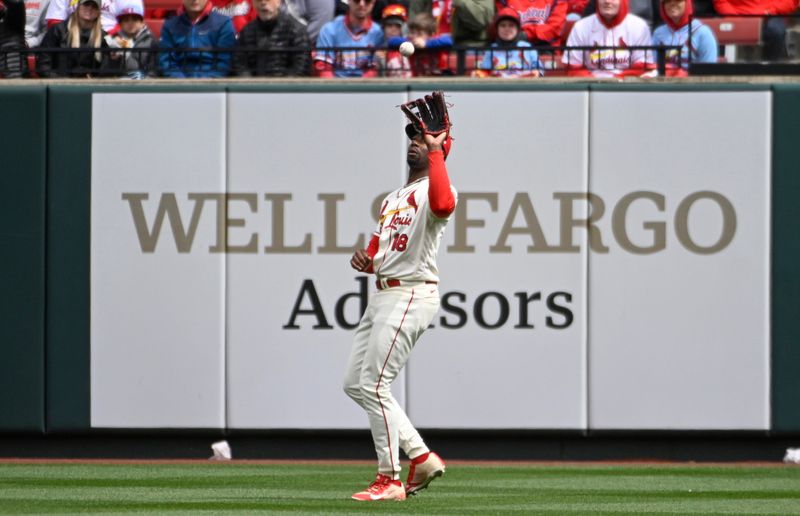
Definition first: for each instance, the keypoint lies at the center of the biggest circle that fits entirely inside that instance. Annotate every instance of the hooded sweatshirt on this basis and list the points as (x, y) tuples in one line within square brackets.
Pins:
[(612, 37), (542, 20), (703, 43), (726, 7)]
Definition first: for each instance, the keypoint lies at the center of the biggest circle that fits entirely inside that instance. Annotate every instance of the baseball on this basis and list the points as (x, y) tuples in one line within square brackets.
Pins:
[(406, 48)]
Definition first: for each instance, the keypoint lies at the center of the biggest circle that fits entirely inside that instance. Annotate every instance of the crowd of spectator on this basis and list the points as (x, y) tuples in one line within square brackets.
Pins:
[(360, 38)]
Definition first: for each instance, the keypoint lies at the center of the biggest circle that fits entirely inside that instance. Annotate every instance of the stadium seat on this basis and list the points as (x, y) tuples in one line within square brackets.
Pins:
[(155, 25), (732, 32), (161, 8)]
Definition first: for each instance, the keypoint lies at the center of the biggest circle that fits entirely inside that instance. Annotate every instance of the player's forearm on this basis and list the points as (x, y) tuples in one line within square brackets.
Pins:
[(440, 195)]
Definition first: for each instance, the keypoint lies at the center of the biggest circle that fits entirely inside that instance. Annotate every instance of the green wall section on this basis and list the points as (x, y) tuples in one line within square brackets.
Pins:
[(786, 259), (22, 248), (69, 159)]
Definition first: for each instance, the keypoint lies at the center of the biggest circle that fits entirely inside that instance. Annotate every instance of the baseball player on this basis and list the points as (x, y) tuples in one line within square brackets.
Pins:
[(613, 27), (402, 255)]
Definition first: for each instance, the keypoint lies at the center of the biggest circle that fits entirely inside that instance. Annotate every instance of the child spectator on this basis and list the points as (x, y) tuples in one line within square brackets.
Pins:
[(611, 30), (675, 32), (81, 30), (134, 34), (441, 10), (465, 21), (505, 60), (393, 20), (274, 29), (432, 53)]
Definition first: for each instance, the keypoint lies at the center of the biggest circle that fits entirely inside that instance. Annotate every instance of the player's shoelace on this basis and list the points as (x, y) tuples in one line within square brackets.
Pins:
[(377, 485)]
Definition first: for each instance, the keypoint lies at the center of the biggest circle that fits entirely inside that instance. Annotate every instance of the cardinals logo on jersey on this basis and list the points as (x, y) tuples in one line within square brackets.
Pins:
[(412, 202), (611, 58)]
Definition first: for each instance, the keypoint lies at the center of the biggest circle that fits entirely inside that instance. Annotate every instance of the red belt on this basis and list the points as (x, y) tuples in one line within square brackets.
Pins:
[(389, 283)]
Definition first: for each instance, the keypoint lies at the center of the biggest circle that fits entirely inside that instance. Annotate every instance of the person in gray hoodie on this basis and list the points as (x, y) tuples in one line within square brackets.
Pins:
[(139, 60)]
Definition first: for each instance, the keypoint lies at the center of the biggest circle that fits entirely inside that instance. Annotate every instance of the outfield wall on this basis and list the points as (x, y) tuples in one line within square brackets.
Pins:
[(186, 265)]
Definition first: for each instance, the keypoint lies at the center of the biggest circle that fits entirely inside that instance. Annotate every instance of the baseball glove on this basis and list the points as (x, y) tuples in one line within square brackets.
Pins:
[(428, 115)]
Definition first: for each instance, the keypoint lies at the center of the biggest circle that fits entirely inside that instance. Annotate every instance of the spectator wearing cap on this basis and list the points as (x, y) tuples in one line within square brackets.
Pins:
[(337, 53), (59, 10), (260, 41), (82, 30), (196, 26), (393, 21), (510, 55), (380, 5), (134, 34), (12, 38), (678, 25)]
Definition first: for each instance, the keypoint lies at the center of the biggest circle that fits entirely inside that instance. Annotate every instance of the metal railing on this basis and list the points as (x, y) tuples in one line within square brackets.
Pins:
[(370, 62)]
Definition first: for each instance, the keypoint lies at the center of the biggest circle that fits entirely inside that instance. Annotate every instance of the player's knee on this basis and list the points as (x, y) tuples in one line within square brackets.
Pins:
[(370, 391), (353, 390)]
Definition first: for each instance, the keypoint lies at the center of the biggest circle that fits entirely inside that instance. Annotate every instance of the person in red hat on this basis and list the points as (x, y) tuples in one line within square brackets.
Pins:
[(510, 55), (393, 21), (611, 30)]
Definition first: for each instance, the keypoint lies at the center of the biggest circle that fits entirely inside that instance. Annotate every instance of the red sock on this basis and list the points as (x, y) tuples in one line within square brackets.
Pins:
[(422, 458)]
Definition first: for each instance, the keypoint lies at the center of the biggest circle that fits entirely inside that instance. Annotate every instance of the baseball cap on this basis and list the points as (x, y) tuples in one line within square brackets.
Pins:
[(394, 13), (123, 7), (507, 13), (81, 2)]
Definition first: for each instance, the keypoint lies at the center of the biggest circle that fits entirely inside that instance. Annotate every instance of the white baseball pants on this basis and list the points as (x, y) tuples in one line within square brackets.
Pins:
[(395, 318)]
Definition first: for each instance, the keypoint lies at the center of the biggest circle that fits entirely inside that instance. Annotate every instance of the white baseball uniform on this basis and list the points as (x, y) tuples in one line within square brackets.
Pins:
[(408, 237), (632, 31)]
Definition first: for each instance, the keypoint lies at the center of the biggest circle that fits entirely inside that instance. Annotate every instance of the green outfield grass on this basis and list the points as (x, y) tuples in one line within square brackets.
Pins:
[(247, 488)]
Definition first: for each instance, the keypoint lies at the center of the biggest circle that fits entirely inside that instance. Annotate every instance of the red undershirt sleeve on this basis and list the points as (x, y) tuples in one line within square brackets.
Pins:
[(372, 250), (440, 195)]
